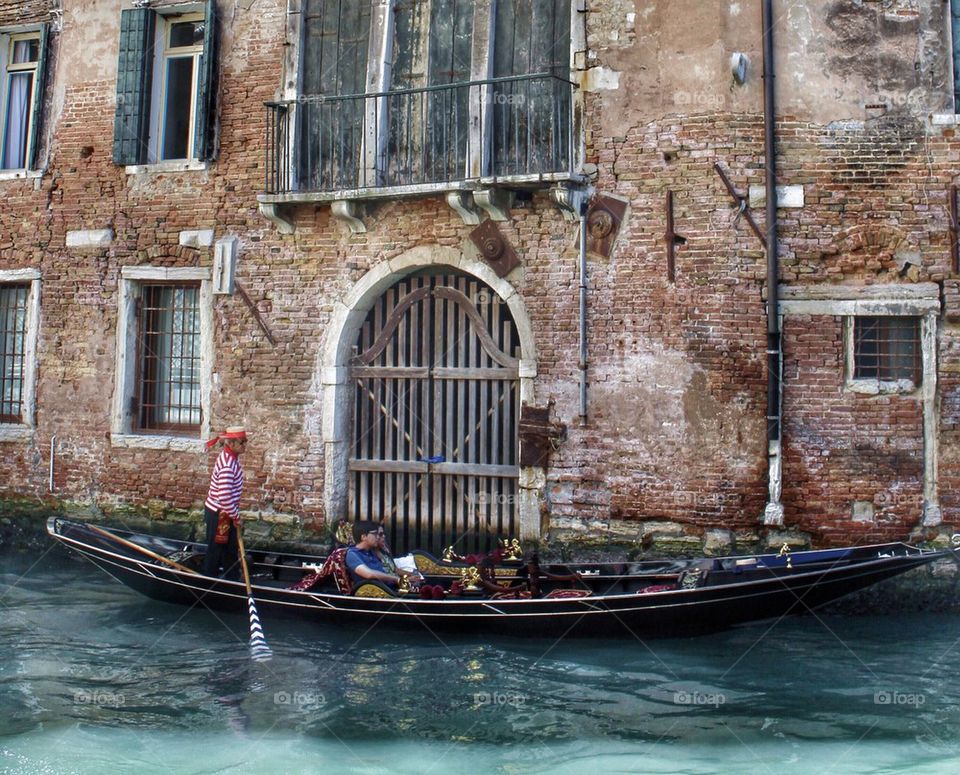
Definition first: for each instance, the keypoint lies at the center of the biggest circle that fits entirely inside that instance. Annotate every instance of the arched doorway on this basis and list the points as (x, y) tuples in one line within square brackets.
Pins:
[(435, 377)]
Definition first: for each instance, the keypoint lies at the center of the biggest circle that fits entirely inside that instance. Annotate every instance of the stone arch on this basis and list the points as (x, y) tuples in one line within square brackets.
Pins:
[(348, 316)]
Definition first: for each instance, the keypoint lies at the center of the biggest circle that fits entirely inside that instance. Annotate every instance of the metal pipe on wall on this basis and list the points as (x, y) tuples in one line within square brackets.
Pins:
[(53, 447), (583, 309), (955, 29), (774, 511)]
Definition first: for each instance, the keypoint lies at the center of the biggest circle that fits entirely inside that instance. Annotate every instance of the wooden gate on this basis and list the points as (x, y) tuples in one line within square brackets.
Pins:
[(435, 415)]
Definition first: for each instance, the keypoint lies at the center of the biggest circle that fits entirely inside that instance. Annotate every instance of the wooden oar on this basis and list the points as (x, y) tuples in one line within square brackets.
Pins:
[(259, 650), (142, 550)]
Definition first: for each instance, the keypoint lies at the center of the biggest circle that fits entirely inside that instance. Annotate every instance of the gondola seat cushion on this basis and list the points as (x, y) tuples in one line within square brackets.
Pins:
[(336, 566)]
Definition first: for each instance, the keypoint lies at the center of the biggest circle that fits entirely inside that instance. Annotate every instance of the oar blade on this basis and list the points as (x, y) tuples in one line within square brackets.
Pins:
[(259, 650)]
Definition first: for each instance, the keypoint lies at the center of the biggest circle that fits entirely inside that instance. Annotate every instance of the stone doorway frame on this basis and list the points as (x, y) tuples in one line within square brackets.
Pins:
[(348, 316)]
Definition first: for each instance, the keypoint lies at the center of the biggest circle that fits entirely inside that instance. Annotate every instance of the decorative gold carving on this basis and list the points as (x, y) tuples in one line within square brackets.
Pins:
[(344, 534), (430, 567), (511, 549), (371, 590), (471, 578)]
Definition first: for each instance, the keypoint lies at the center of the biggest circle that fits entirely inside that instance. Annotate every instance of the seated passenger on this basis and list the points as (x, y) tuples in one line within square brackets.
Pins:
[(363, 562)]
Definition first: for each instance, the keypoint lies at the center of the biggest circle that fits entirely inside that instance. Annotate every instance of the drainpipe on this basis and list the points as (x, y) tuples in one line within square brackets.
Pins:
[(955, 29), (773, 513), (583, 308)]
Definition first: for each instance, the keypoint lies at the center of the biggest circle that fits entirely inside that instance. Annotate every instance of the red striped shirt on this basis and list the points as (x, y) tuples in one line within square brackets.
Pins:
[(226, 484)]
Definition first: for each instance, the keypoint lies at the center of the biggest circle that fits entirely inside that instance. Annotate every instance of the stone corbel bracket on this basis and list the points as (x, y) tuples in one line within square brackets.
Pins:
[(348, 212), (495, 201), (569, 201), (271, 211), (464, 206)]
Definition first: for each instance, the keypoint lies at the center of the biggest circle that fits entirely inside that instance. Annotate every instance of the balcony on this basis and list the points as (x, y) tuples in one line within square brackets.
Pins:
[(514, 132)]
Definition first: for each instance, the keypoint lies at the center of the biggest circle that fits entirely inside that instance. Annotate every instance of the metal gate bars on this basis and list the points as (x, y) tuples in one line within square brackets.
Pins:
[(435, 415)]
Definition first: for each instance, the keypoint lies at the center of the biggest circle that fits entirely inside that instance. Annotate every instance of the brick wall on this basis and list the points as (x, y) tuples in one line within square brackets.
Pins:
[(677, 396)]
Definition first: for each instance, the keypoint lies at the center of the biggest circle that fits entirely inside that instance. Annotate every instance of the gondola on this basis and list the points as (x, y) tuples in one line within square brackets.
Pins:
[(645, 599)]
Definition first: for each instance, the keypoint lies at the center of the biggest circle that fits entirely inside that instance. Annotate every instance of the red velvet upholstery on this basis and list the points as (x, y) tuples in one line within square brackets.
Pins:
[(336, 566)]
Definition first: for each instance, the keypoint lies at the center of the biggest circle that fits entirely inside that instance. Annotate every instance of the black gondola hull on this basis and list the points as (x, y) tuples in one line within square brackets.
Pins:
[(732, 598)]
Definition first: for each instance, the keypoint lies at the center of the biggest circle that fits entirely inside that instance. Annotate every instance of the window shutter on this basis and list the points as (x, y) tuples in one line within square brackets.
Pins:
[(203, 142), (131, 125), (38, 88)]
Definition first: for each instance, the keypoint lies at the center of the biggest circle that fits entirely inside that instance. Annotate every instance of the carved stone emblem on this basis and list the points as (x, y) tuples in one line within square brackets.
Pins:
[(604, 219), (494, 248)]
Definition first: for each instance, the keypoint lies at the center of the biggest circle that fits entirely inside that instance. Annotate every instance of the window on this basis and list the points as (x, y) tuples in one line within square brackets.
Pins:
[(23, 55), (19, 316), (164, 357), (13, 336), (165, 85), (169, 357), (411, 92), (887, 349)]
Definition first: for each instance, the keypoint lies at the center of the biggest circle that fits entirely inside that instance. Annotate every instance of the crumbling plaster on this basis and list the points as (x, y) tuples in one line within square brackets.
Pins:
[(674, 58)]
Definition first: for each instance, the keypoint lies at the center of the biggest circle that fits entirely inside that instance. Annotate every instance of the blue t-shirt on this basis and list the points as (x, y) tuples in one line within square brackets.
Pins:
[(357, 557)]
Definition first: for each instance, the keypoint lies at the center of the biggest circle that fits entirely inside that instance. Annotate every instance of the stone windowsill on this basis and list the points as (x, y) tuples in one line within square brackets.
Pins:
[(161, 167), (20, 175), (423, 189), (143, 441), (874, 387), (11, 432)]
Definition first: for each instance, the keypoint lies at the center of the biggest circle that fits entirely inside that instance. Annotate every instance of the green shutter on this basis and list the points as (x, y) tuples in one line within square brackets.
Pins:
[(131, 126), (203, 134), (38, 87)]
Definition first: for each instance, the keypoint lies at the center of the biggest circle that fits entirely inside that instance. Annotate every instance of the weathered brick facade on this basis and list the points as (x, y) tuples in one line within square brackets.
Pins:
[(675, 441)]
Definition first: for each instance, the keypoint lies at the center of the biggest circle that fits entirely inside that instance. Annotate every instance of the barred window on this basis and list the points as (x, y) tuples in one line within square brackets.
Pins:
[(169, 357), (887, 348), (13, 337)]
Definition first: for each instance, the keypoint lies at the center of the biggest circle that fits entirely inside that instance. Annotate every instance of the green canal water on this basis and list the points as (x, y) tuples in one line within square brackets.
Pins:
[(96, 679)]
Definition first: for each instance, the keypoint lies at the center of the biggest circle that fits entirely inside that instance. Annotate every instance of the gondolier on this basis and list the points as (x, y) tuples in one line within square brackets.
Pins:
[(222, 507)]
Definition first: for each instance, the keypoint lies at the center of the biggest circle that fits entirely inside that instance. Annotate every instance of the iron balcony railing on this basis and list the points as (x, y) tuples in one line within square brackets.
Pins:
[(515, 127)]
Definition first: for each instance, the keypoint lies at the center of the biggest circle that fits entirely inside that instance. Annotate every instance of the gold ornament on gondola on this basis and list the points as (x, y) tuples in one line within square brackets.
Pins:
[(450, 556), (785, 552), (511, 549), (470, 577), (403, 585), (344, 534)]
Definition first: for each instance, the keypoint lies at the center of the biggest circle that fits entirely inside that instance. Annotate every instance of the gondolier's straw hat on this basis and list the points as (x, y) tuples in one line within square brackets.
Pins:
[(233, 432)]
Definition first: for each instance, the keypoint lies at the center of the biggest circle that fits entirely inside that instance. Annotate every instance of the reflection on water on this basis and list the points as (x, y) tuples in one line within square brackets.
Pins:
[(94, 678)]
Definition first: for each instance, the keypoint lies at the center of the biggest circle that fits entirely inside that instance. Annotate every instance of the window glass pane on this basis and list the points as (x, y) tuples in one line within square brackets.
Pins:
[(25, 51), (186, 34), (887, 348), (17, 119), (13, 335), (177, 108), (170, 358)]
